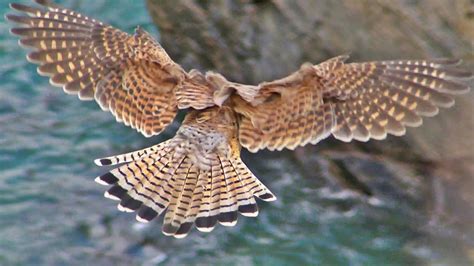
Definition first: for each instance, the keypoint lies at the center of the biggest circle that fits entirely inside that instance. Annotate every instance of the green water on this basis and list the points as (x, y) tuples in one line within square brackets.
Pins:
[(52, 213)]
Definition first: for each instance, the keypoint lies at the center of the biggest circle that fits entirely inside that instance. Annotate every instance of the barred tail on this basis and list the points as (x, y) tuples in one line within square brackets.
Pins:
[(159, 179)]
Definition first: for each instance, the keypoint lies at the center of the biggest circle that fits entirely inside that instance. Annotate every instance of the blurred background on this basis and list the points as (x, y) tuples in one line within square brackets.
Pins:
[(401, 201)]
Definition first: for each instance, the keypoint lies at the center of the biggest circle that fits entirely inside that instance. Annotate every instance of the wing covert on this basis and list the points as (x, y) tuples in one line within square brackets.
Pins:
[(350, 101)]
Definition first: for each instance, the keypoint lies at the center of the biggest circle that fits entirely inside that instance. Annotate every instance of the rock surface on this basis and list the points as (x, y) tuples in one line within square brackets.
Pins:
[(431, 169)]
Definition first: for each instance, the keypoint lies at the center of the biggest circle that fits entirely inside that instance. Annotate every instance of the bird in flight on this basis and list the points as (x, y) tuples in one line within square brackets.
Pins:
[(197, 178)]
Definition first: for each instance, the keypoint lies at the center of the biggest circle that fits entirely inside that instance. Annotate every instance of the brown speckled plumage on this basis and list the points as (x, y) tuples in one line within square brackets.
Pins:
[(197, 177)]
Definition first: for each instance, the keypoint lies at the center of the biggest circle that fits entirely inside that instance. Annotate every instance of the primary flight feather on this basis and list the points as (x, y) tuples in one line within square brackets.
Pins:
[(197, 177)]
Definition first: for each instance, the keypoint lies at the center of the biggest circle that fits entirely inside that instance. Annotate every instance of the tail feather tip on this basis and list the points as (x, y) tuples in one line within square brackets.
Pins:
[(228, 218), (169, 230), (106, 179), (100, 181), (205, 229), (110, 196), (183, 230), (141, 220), (267, 197), (146, 213), (250, 210), (102, 162), (180, 236), (122, 208), (206, 224), (228, 224)]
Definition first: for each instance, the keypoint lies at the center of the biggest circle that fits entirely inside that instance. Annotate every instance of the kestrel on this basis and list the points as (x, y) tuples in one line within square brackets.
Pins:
[(197, 177)]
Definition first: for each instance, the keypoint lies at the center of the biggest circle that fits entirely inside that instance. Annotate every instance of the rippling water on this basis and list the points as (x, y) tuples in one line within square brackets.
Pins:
[(52, 213)]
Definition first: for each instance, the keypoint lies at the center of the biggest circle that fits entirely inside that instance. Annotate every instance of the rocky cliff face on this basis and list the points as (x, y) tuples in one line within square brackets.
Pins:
[(431, 169)]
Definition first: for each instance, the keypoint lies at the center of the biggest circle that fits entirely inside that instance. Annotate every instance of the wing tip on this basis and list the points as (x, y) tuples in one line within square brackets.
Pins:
[(43, 2), (18, 7), (462, 90), (398, 132), (447, 61), (16, 31), (59, 85), (12, 5), (30, 58), (342, 138), (43, 74), (417, 123), (11, 18)]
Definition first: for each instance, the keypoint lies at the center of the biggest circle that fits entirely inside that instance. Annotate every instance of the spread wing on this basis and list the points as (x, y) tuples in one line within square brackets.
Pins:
[(350, 101), (197, 177), (129, 75)]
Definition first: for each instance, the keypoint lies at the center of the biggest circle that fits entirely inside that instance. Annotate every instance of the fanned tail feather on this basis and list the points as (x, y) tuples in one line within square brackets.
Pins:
[(159, 179)]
